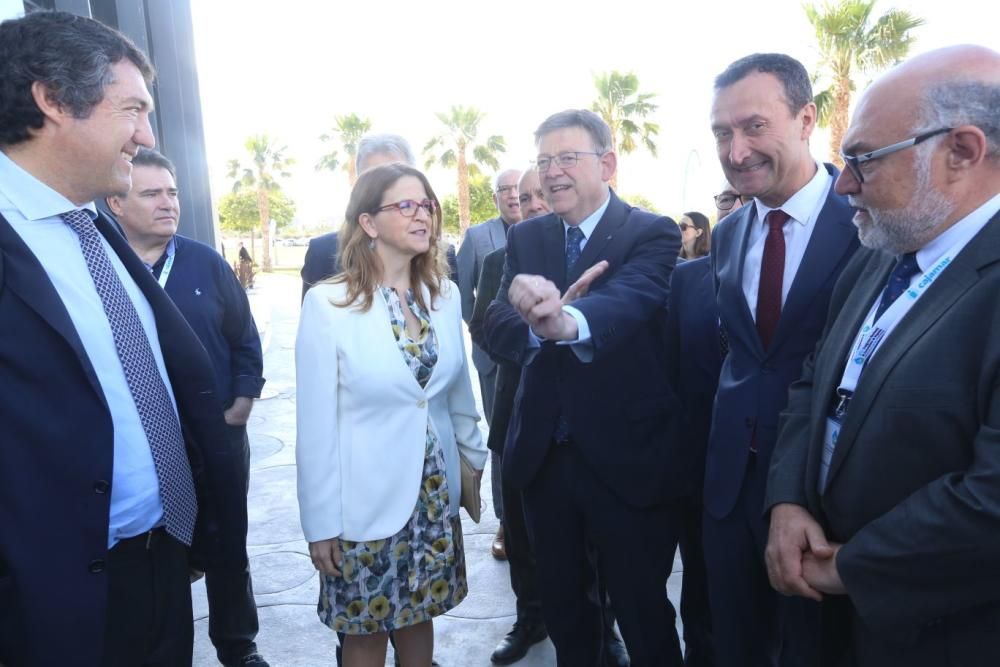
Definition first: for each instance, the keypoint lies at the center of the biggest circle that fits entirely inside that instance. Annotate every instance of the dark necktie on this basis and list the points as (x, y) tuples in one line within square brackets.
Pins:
[(772, 273), (898, 281), (574, 237), (156, 411)]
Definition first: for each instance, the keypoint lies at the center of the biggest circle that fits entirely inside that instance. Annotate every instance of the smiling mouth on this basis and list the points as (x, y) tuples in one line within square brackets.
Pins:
[(749, 168), (558, 188)]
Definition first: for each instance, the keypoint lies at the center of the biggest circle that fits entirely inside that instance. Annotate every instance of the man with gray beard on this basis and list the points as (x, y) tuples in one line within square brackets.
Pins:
[(884, 488)]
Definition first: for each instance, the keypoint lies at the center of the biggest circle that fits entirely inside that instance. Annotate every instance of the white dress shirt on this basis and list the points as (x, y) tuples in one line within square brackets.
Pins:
[(804, 208), (33, 209)]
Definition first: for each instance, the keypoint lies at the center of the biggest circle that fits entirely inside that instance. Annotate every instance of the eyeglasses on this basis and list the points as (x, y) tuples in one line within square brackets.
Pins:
[(408, 207), (684, 226), (854, 162), (727, 200), (563, 160), (505, 189)]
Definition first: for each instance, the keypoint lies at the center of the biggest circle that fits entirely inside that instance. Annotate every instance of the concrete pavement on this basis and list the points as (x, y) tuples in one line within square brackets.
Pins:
[(285, 583)]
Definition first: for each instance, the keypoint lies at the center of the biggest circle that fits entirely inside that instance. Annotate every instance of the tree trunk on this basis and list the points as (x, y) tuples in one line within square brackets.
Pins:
[(614, 149), (352, 169), (463, 192), (838, 120), (264, 208)]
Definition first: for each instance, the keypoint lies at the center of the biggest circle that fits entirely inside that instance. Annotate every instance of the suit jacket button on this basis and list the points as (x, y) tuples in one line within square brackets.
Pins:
[(101, 486), (421, 404), (96, 566)]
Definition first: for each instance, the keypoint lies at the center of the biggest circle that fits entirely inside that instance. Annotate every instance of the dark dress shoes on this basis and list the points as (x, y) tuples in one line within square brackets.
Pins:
[(515, 645), (499, 547), (615, 654)]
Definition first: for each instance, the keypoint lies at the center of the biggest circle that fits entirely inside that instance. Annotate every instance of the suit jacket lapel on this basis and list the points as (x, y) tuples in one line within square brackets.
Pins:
[(554, 248), (613, 218), (741, 324), (833, 235), (26, 277), (497, 237), (940, 297)]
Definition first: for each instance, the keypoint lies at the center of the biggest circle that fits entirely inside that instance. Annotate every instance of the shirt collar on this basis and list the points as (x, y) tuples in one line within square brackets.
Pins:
[(800, 206), (590, 222), (966, 228), (32, 198)]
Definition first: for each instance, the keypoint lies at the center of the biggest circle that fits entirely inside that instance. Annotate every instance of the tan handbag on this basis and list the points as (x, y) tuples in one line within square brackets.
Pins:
[(471, 500)]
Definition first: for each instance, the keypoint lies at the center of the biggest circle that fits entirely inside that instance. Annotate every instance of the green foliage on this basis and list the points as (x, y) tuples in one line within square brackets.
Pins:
[(622, 106), (267, 163), (480, 204), (849, 40), (642, 202), (348, 129), (238, 211)]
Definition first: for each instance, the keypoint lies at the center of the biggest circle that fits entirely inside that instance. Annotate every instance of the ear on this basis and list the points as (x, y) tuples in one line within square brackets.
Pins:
[(967, 148), (46, 102), (115, 204), (496, 200), (807, 116), (367, 223), (609, 165)]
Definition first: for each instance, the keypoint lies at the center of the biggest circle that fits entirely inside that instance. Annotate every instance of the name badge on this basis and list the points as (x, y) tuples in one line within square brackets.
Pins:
[(829, 446)]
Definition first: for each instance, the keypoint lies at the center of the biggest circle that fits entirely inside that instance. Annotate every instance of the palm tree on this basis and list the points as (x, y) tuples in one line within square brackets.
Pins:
[(449, 149), (350, 128), (621, 105), (266, 164), (850, 40)]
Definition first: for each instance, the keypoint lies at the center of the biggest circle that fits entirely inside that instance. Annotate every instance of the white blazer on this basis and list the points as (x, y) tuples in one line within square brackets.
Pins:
[(362, 418)]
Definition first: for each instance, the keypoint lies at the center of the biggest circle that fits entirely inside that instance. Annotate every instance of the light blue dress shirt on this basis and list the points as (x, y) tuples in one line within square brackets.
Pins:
[(33, 209)]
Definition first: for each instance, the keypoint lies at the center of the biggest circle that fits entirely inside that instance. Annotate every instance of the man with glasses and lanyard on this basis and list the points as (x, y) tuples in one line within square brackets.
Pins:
[(774, 263), (206, 291), (884, 490)]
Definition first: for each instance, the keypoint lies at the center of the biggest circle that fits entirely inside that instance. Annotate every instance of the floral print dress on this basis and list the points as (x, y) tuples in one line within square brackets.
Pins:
[(419, 572)]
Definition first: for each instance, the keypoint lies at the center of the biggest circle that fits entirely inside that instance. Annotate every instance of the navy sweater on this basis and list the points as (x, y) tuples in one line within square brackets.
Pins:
[(207, 293)]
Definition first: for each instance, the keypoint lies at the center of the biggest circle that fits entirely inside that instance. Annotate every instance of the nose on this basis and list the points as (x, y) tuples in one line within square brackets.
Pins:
[(144, 132), (846, 183), (739, 148)]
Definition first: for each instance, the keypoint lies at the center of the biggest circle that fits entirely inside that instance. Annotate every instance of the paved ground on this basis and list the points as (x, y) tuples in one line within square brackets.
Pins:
[(285, 582)]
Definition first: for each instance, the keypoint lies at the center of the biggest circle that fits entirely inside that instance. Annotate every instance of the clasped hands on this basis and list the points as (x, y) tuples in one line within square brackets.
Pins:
[(538, 301), (800, 560)]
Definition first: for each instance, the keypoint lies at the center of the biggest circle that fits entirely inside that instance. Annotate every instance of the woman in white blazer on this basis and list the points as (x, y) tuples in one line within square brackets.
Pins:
[(385, 407)]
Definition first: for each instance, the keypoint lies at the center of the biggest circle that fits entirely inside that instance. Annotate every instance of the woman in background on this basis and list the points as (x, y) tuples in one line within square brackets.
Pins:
[(696, 235), (385, 405)]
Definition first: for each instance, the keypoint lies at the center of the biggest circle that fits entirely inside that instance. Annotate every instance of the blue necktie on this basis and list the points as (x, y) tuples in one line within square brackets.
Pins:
[(574, 237), (156, 411), (898, 281)]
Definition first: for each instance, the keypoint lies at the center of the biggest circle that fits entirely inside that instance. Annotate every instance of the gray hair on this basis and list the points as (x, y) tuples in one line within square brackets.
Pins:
[(393, 144), (957, 103), (600, 133), (499, 175), (147, 157)]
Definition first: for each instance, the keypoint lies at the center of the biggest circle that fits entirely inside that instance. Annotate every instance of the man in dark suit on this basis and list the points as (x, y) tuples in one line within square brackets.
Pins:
[(774, 263), (884, 490), (479, 241), (321, 256), (114, 455), (590, 441), (695, 352), (206, 291)]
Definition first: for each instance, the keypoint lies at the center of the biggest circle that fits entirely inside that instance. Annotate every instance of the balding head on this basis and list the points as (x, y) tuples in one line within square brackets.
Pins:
[(948, 99)]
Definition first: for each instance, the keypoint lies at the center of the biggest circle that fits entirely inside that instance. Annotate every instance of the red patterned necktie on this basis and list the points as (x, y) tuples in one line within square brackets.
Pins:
[(772, 273)]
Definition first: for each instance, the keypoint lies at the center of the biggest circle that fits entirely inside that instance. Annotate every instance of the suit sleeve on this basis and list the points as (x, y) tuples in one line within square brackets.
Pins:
[(317, 450), (489, 282), (308, 279), (462, 409), (240, 332), (505, 331), (466, 265), (635, 291)]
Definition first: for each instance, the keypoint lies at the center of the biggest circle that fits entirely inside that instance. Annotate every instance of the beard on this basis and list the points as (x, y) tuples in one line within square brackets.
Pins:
[(901, 230)]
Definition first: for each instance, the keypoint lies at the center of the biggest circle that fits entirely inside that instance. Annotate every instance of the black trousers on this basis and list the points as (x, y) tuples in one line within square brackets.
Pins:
[(569, 510), (232, 611), (752, 625), (149, 622), (695, 609)]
